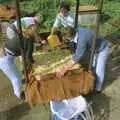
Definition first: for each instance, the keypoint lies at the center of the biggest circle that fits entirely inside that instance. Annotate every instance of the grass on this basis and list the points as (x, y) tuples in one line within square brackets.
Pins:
[(49, 61), (108, 28)]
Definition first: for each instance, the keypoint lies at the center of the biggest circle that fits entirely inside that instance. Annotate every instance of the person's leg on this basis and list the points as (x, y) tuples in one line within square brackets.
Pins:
[(8, 66), (94, 62), (100, 67)]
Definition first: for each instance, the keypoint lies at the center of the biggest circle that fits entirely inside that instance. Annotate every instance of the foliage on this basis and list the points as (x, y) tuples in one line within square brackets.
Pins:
[(3, 1), (112, 8), (6, 1), (49, 9)]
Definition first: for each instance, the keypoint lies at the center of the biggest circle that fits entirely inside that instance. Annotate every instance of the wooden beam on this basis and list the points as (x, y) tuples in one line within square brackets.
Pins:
[(21, 39), (76, 13)]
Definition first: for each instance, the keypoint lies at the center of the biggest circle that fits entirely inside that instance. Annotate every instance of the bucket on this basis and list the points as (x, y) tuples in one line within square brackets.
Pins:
[(68, 109), (53, 40)]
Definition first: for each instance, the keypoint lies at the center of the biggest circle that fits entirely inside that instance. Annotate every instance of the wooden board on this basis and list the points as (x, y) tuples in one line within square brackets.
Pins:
[(87, 8), (7, 12)]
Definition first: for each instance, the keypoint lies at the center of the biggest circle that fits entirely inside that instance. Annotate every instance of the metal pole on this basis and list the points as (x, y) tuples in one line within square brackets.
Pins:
[(96, 34), (21, 40), (94, 42), (76, 13), (101, 5)]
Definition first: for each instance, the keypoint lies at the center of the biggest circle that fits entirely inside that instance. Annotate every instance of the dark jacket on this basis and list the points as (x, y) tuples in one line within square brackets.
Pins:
[(14, 45)]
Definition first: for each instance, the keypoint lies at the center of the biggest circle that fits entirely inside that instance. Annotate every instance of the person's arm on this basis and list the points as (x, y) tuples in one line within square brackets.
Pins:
[(80, 50), (33, 32), (56, 24), (79, 53), (64, 68), (37, 38), (54, 29), (29, 43)]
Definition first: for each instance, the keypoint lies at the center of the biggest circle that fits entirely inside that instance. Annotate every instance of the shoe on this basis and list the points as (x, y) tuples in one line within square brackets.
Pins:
[(23, 80), (96, 92), (22, 95)]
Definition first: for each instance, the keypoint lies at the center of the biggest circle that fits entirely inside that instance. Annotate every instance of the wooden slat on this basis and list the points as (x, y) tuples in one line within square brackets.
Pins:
[(87, 9)]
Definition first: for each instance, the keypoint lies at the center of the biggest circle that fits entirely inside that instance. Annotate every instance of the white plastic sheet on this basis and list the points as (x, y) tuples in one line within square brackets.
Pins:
[(68, 109)]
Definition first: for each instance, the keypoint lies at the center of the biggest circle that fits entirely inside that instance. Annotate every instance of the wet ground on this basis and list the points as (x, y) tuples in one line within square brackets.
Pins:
[(106, 105)]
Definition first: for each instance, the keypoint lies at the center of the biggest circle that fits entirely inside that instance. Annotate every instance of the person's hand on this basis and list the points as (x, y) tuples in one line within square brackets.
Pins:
[(38, 77), (90, 71), (60, 72), (43, 42)]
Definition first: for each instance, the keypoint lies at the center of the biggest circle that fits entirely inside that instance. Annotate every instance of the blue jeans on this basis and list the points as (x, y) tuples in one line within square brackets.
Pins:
[(99, 64)]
